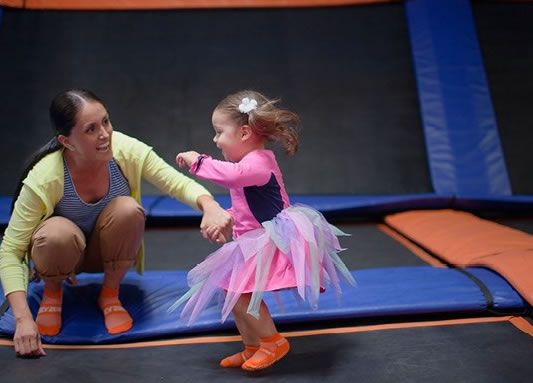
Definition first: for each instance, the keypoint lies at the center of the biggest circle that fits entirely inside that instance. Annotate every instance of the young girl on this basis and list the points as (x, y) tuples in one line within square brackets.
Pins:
[(276, 246)]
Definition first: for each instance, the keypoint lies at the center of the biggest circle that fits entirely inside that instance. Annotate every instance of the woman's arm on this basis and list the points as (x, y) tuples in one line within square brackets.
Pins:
[(171, 182), (26, 215), (27, 339)]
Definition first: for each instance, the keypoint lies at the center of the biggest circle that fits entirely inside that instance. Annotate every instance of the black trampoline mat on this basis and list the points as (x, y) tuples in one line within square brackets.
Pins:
[(506, 41), (347, 71), (481, 352), (523, 224), (367, 247)]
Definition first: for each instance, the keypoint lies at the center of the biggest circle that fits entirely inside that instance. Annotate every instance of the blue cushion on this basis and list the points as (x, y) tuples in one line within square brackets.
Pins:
[(384, 292)]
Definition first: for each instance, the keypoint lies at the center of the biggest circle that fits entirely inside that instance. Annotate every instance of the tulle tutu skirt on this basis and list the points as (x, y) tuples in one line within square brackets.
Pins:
[(296, 249)]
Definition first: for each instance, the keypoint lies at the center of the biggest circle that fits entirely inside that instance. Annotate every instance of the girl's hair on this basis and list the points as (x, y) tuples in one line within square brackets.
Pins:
[(266, 120), (63, 112)]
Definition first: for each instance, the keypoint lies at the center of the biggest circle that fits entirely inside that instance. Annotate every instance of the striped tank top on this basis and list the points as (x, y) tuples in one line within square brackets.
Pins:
[(83, 214)]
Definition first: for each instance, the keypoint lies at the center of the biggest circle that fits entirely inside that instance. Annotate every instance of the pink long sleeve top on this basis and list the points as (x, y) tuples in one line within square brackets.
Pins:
[(255, 184)]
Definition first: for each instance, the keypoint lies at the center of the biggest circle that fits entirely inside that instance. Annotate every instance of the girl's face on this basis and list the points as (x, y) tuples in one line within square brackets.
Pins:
[(228, 136), (91, 136)]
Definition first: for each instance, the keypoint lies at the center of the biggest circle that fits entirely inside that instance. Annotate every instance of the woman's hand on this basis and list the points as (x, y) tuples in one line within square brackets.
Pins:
[(217, 223), (185, 159), (27, 339)]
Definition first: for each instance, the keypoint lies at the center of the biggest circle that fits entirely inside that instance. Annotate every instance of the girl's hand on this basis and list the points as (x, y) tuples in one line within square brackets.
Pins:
[(214, 234), (185, 159), (217, 223), (217, 226), (27, 339)]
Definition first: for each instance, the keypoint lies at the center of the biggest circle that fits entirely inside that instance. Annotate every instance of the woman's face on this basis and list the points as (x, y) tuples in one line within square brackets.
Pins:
[(228, 136), (90, 138)]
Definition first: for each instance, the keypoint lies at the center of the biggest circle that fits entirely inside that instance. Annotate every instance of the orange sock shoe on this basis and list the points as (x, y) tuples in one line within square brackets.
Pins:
[(49, 315), (117, 319), (271, 349), (236, 360)]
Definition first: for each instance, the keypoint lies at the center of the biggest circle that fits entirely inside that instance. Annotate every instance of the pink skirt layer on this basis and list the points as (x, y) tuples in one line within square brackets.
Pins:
[(296, 249)]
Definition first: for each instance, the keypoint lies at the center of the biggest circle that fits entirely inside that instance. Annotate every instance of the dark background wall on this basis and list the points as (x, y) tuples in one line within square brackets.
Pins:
[(347, 71), (505, 32)]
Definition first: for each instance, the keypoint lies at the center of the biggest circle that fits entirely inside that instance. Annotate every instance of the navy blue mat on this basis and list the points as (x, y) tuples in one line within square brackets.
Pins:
[(333, 206), (516, 204), (330, 205), (337, 206), (385, 292), (5, 207)]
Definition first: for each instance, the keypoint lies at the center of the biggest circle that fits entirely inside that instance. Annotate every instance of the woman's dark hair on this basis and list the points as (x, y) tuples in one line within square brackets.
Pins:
[(63, 111)]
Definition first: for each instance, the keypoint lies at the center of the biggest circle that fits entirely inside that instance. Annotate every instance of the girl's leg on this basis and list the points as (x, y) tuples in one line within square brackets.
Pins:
[(264, 326), (273, 346), (250, 340), (56, 248), (115, 241)]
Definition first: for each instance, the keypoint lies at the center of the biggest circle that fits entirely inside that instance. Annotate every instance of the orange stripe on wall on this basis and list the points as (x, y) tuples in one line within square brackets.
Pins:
[(159, 4), (12, 3), (170, 4)]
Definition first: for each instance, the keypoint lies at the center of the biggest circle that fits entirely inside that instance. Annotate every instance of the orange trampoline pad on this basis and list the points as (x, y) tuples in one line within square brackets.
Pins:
[(463, 239)]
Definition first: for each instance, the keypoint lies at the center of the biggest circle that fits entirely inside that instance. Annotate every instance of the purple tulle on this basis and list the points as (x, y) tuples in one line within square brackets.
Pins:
[(296, 249)]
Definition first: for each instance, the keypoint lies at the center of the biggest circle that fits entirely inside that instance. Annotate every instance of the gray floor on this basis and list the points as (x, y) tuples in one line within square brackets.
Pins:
[(484, 353)]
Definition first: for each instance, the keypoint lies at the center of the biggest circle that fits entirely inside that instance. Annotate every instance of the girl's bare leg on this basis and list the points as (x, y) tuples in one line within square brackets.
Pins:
[(249, 338)]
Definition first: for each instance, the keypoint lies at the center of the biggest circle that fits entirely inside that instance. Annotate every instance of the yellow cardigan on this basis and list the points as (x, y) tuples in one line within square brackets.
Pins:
[(43, 188)]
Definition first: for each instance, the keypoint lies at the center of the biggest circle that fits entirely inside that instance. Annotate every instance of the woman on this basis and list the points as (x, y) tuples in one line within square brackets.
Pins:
[(77, 209)]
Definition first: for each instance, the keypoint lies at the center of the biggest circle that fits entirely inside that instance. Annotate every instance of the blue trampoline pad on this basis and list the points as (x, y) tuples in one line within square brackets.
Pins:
[(384, 292)]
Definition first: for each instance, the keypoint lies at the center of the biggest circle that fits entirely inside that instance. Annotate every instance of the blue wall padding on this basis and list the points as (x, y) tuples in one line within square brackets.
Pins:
[(385, 292), (462, 140)]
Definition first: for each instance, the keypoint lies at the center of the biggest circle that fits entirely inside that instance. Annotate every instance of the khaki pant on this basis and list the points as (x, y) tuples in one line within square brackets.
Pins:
[(60, 250)]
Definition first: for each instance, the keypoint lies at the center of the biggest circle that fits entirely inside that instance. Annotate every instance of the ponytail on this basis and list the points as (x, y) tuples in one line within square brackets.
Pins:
[(52, 146), (279, 125), (265, 118)]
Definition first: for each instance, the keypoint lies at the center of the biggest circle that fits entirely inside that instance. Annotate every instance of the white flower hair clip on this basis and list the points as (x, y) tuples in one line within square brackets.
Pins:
[(247, 105)]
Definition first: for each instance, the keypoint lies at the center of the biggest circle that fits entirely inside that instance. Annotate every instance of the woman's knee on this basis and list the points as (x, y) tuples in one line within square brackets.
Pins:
[(123, 211), (57, 247), (118, 233)]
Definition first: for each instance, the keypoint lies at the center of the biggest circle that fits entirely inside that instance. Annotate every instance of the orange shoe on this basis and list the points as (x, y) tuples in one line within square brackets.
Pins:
[(271, 350), (117, 319), (49, 315), (236, 360)]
